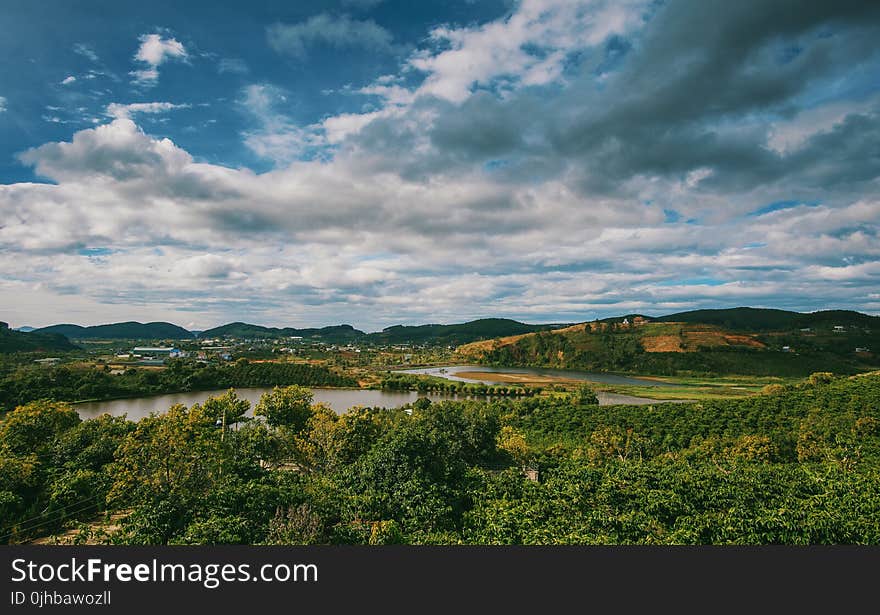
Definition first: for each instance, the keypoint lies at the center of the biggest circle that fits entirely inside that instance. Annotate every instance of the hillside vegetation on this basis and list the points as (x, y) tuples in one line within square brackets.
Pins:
[(749, 343), (484, 328), (241, 330), (20, 341)]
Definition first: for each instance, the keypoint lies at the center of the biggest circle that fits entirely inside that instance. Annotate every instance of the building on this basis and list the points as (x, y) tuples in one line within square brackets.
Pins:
[(156, 355), (151, 350), (838, 328)]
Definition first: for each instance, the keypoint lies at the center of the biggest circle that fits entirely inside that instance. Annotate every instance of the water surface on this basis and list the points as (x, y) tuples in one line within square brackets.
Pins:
[(338, 399)]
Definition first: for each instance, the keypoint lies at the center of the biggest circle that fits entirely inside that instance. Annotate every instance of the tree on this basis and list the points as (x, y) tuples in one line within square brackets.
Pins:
[(34, 427), (584, 395), (175, 455), (288, 406), (514, 443), (227, 409)]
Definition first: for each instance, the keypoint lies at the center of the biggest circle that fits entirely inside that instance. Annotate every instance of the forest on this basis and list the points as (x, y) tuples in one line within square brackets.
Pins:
[(798, 464)]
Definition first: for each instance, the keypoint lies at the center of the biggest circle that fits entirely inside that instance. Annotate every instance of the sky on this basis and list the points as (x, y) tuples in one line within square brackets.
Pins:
[(389, 162)]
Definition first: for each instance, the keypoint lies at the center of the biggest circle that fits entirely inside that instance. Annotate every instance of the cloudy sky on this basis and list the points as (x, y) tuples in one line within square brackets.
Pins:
[(379, 162)]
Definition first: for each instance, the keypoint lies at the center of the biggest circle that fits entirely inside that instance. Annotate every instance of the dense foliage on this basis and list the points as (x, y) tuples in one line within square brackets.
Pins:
[(797, 464), (20, 384)]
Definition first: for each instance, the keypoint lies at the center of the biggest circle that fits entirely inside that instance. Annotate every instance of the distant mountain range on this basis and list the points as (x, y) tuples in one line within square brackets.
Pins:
[(120, 330), (735, 320), (398, 334)]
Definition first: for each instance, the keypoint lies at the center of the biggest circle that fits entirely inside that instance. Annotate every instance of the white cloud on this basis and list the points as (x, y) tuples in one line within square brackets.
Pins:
[(121, 111), (528, 48), (339, 32), (316, 241), (278, 138), (787, 136), (68, 80), (85, 51), (232, 65), (2, 104), (154, 51), (459, 197)]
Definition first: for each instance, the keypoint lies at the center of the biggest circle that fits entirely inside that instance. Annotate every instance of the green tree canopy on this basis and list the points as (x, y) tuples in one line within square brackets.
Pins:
[(288, 406)]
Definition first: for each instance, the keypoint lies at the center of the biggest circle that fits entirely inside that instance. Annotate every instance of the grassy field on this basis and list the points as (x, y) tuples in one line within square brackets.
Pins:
[(696, 388), (700, 388)]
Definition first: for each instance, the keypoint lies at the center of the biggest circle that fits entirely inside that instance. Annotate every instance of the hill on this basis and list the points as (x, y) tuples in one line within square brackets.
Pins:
[(336, 333), (22, 341), (121, 330), (706, 342), (484, 328), (757, 319)]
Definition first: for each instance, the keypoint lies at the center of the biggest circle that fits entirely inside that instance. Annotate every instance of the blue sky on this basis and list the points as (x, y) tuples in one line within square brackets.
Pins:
[(379, 162)]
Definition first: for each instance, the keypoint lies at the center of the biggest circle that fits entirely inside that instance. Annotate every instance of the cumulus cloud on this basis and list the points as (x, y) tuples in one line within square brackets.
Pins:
[(2, 104), (341, 32), (68, 80), (154, 51), (567, 161)]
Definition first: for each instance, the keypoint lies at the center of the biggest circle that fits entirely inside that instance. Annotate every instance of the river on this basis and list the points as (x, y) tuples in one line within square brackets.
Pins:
[(338, 399)]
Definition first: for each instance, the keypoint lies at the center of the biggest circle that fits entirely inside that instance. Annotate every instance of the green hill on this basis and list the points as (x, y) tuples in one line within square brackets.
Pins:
[(484, 328), (21, 341), (743, 341), (336, 333), (757, 319), (120, 331)]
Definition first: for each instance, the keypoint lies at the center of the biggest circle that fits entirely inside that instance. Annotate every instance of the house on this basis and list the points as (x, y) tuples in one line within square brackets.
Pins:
[(48, 361), (786, 349), (838, 329)]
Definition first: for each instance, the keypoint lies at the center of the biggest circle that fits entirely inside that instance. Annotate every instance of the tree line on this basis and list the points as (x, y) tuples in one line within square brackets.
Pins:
[(20, 384)]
